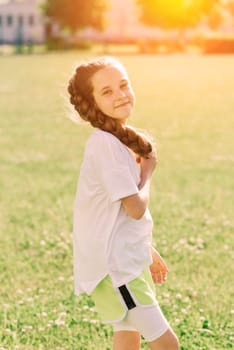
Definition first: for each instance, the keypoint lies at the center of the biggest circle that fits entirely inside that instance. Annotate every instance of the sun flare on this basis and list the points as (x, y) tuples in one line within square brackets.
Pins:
[(174, 12)]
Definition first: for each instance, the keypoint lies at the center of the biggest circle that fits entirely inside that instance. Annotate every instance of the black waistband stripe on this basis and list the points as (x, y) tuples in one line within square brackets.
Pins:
[(127, 297)]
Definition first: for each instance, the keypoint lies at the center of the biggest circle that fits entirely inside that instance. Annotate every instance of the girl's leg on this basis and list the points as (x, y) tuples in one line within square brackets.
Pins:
[(127, 340), (167, 341), (152, 324)]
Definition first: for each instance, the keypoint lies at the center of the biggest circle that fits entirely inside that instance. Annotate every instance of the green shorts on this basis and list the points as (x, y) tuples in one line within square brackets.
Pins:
[(110, 303)]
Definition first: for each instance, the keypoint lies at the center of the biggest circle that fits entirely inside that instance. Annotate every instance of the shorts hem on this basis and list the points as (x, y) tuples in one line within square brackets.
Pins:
[(157, 335), (127, 329)]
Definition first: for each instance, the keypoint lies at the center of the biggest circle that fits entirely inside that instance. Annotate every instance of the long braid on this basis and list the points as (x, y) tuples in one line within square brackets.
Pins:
[(81, 97)]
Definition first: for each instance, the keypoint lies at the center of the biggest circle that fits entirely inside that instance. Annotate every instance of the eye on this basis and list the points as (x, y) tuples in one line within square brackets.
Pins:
[(106, 92), (124, 85)]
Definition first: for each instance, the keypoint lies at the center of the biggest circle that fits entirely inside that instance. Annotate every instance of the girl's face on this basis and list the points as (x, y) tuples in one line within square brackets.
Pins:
[(113, 93)]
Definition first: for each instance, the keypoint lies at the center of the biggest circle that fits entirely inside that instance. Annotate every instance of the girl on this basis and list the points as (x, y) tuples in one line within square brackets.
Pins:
[(114, 261)]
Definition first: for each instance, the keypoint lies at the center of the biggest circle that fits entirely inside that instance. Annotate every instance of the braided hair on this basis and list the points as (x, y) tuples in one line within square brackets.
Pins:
[(81, 97)]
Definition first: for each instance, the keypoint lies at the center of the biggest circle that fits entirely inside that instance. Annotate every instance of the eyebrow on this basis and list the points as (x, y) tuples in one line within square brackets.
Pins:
[(108, 87), (104, 88)]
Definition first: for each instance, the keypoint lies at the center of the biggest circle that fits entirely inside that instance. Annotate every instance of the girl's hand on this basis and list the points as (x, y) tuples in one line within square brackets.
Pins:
[(147, 166), (158, 268)]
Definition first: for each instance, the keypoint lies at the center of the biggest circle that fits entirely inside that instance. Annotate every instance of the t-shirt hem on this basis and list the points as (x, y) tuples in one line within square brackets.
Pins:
[(131, 277), (88, 290)]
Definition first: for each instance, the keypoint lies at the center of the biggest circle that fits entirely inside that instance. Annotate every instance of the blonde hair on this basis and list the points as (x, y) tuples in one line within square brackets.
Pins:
[(81, 97)]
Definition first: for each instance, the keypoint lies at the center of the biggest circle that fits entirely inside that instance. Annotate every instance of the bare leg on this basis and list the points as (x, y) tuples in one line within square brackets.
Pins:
[(168, 341), (126, 340)]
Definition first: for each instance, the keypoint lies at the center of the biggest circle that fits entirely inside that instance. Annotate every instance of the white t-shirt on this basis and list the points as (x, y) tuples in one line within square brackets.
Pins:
[(107, 240)]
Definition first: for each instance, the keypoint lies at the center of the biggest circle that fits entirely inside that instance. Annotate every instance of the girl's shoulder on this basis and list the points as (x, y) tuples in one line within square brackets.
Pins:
[(101, 138), (103, 144)]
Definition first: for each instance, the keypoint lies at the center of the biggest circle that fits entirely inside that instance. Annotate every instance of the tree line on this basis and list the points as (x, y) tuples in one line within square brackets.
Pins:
[(78, 14)]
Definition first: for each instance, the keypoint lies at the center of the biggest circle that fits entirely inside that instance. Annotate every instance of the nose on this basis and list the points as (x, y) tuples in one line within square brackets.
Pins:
[(120, 93)]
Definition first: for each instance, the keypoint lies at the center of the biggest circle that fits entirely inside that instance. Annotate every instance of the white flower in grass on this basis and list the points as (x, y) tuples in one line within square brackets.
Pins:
[(94, 321), (27, 328), (60, 322), (85, 307), (194, 294), (62, 314), (178, 296), (61, 278), (30, 299), (44, 314), (184, 311)]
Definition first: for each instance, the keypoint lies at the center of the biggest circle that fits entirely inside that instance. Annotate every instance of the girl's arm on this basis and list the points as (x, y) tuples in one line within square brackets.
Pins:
[(136, 204)]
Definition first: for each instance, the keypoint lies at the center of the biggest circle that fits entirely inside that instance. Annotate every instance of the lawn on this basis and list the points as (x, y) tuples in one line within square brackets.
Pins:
[(187, 104)]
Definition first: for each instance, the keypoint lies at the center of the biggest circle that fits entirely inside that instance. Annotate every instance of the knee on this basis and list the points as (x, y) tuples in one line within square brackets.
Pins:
[(126, 340), (167, 341), (174, 343)]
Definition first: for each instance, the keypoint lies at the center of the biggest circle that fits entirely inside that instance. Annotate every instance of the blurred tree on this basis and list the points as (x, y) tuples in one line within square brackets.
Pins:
[(215, 17), (76, 14), (221, 10), (230, 6)]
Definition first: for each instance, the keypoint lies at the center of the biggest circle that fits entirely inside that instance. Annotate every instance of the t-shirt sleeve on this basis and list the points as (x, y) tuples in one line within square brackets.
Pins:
[(113, 168)]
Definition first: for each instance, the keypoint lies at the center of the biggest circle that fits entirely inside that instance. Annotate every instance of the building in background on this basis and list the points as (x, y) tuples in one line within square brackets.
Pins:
[(21, 21)]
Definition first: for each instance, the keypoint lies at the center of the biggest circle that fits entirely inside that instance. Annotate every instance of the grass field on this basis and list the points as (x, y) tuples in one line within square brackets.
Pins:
[(187, 104)]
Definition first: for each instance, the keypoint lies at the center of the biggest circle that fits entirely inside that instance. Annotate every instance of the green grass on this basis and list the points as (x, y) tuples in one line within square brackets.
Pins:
[(187, 104)]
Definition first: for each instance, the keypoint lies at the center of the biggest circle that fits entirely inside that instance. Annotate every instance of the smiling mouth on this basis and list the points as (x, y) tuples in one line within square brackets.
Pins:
[(123, 104)]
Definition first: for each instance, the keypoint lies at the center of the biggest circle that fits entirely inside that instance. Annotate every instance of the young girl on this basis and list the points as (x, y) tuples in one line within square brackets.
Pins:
[(114, 261)]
